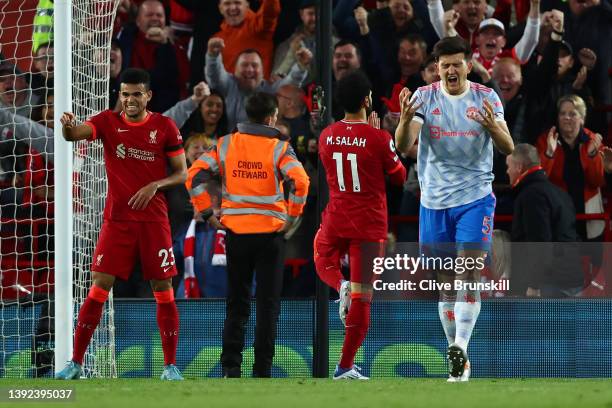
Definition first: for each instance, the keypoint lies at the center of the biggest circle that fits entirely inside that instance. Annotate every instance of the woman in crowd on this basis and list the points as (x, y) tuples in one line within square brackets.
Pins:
[(570, 156), (209, 118)]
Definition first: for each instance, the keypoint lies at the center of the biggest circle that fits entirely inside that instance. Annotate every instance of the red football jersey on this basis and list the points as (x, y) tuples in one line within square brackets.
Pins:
[(135, 154), (356, 158)]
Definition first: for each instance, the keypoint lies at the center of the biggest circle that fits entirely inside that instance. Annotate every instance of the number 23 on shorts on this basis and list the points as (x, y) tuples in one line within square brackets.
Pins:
[(167, 258)]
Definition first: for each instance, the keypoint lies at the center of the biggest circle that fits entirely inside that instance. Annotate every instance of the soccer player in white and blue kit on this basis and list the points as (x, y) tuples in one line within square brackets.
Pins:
[(457, 122)]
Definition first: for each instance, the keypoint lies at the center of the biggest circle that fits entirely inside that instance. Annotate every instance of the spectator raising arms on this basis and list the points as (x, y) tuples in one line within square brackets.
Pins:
[(491, 40), (242, 28), (248, 77)]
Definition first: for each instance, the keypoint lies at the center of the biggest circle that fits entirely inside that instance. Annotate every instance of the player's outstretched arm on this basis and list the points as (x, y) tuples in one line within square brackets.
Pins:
[(140, 200), (73, 132), (407, 130)]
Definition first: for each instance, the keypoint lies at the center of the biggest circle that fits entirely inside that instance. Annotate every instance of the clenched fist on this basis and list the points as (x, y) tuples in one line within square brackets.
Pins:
[(215, 46)]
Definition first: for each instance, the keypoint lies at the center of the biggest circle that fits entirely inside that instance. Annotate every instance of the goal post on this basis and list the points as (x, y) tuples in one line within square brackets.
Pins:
[(64, 308)]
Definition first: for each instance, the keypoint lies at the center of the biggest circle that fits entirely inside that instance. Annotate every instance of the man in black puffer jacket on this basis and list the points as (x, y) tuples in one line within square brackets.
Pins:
[(548, 264)]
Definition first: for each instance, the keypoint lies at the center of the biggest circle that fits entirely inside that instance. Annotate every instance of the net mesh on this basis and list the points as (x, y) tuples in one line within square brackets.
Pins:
[(91, 36), (26, 180)]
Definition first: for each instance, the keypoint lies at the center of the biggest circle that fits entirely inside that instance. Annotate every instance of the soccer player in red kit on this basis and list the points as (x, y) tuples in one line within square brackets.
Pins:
[(138, 146), (356, 157)]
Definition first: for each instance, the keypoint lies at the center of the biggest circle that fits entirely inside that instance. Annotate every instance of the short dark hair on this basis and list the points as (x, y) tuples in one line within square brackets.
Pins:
[(344, 42), (259, 106), (352, 89), (135, 76), (450, 46), (249, 51), (416, 39)]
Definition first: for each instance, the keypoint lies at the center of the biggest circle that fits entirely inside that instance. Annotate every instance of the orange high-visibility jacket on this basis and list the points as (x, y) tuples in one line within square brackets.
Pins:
[(252, 164)]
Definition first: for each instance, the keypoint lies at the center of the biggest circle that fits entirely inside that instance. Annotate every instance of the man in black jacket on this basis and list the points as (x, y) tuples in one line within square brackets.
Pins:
[(543, 213)]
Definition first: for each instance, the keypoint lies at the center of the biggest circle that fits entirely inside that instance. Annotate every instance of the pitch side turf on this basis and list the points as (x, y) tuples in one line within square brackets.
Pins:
[(315, 393)]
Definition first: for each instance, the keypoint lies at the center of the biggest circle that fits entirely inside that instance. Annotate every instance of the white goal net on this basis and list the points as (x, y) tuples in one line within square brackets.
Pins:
[(26, 181)]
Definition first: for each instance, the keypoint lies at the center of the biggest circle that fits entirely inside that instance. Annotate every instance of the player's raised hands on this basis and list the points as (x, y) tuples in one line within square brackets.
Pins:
[(374, 120), (486, 117), (552, 141), (408, 107), (141, 199)]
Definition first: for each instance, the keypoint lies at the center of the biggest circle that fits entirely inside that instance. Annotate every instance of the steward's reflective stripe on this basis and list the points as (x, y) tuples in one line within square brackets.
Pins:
[(285, 169), (251, 211), (196, 191), (212, 163), (222, 156), (278, 149), (273, 199), (297, 199)]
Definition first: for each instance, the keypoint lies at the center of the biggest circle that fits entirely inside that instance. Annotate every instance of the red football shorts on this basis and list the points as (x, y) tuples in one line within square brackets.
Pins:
[(329, 249), (121, 242)]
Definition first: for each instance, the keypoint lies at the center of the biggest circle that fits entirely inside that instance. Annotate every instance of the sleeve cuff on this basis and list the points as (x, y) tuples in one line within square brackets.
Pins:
[(175, 153), (396, 168)]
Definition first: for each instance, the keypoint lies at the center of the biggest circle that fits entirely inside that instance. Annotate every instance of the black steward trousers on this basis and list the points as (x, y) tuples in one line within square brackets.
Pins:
[(247, 253)]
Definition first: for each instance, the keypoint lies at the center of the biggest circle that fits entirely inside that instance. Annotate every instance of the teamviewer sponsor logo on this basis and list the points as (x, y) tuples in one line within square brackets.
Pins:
[(121, 151)]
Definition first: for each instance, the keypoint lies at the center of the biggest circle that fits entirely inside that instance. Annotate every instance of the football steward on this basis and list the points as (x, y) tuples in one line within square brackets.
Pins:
[(252, 163)]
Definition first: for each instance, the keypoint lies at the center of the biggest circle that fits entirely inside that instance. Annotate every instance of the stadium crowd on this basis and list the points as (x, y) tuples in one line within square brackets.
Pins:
[(549, 61)]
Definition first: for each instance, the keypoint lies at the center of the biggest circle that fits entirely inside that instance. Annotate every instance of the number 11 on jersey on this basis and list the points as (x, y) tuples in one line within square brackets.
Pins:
[(352, 158)]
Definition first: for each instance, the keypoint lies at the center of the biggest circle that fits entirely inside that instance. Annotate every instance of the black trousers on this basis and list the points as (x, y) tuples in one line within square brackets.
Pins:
[(248, 253)]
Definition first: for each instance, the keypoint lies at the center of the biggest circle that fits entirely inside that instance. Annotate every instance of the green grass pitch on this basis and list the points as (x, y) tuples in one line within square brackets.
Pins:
[(315, 393)]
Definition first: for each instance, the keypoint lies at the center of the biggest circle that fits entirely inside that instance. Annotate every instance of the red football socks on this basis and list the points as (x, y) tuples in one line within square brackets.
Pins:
[(168, 323), (357, 323), (89, 317)]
